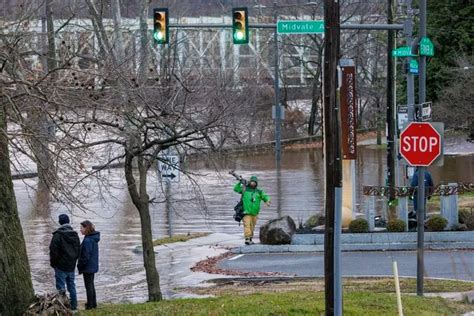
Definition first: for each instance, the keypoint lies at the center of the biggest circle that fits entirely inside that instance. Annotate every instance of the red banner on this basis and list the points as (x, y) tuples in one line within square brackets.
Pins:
[(348, 113)]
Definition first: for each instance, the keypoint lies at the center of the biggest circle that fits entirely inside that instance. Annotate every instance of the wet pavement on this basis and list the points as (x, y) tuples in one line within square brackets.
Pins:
[(438, 264), (208, 207)]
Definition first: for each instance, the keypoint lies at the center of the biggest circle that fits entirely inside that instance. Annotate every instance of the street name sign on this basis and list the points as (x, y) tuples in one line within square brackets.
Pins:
[(300, 27), (426, 47), (402, 51), (168, 167), (413, 66), (420, 144)]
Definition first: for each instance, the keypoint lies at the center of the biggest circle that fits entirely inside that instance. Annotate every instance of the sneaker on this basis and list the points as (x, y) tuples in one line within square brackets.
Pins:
[(248, 241)]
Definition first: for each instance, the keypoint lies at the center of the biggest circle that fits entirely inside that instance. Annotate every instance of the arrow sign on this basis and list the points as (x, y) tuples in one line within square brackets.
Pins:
[(172, 176), (168, 168)]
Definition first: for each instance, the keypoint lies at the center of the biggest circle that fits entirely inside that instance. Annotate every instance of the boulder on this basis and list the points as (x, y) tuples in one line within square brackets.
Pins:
[(278, 231)]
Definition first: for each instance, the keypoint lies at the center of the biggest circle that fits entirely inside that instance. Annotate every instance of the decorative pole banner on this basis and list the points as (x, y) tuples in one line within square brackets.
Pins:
[(348, 113)]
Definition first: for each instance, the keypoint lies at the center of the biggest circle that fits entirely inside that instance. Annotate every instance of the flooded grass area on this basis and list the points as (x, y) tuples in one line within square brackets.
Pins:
[(203, 205)]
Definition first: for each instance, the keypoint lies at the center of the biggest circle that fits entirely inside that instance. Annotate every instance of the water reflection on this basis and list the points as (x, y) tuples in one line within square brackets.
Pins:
[(298, 190)]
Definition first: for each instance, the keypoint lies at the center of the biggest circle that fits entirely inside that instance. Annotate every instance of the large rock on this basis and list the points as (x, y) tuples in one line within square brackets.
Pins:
[(277, 231)]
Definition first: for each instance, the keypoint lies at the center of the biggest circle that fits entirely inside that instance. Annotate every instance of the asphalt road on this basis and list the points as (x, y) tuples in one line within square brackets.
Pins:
[(438, 264)]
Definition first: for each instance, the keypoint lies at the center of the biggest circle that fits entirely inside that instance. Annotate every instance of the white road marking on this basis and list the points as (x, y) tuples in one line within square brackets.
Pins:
[(236, 257)]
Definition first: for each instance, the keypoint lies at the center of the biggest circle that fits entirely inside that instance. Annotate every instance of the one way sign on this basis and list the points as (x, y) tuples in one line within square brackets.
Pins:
[(168, 167)]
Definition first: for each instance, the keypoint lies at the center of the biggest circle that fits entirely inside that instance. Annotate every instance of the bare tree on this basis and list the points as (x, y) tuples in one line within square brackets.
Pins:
[(454, 107)]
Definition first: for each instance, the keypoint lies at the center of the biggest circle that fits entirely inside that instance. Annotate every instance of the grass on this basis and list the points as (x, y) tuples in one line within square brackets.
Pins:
[(289, 303), (465, 200), (178, 238)]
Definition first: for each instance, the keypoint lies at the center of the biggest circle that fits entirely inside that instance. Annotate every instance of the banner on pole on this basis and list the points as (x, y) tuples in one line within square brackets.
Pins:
[(348, 110)]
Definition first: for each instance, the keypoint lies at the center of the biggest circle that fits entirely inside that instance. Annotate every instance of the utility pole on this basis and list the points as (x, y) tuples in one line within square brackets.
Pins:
[(410, 75), (391, 146), (421, 170), (332, 152)]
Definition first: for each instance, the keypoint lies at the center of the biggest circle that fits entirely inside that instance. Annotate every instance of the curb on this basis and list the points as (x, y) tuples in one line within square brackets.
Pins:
[(352, 247), (369, 242)]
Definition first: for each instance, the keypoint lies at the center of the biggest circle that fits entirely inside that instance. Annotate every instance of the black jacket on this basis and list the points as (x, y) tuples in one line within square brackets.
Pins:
[(64, 249)]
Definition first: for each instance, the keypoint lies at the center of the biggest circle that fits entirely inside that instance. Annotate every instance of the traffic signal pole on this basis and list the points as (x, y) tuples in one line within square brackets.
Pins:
[(277, 99), (421, 170), (391, 145)]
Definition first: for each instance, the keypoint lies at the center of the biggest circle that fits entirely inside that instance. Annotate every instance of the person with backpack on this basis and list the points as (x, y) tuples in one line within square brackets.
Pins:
[(88, 264), (63, 254), (251, 199), (429, 189)]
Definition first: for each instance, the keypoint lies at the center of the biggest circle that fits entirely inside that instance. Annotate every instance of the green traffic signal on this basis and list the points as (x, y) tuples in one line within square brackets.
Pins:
[(240, 26), (160, 25)]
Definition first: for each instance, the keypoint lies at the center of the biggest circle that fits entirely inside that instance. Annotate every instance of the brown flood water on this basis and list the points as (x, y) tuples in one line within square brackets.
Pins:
[(298, 189)]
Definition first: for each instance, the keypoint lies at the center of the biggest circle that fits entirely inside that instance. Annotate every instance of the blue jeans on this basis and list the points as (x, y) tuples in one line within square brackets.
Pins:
[(63, 279)]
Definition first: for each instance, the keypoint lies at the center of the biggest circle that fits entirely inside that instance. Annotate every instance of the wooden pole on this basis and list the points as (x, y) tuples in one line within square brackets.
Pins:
[(332, 154)]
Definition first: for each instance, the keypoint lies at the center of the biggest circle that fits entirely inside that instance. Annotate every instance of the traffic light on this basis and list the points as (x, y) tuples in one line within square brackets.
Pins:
[(240, 26), (160, 25)]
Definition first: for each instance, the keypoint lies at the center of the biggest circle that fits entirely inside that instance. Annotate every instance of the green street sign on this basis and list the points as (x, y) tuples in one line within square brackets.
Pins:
[(426, 47), (413, 66), (402, 51), (300, 27)]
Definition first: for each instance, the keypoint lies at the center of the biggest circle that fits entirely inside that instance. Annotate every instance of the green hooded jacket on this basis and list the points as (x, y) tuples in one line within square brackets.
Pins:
[(252, 197)]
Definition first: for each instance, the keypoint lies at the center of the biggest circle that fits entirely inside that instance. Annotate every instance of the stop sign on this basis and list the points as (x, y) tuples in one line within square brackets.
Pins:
[(420, 144)]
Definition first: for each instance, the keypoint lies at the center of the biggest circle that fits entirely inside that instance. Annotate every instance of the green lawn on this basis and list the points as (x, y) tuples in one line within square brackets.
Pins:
[(178, 238), (289, 303)]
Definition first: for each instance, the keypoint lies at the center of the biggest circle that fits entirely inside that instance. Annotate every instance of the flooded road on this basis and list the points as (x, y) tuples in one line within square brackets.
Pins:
[(206, 208)]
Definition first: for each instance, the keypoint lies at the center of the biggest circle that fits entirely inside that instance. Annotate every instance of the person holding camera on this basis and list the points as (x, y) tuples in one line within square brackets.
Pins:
[(251, 199)]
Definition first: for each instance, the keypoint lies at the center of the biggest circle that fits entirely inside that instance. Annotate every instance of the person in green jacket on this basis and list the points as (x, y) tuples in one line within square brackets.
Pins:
[(251, 198)]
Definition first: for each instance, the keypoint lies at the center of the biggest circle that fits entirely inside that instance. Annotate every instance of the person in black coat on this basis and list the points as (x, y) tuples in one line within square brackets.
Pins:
[(63, 254), (88, 263)]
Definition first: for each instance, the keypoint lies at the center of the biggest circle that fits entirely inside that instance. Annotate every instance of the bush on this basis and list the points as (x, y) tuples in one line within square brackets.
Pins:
[(466, 217), (436, 223), (396, 225), (314, 221), (359, 225)]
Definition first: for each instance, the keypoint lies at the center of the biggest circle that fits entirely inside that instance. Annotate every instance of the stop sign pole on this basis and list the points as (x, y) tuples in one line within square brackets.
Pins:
[(420, 220)]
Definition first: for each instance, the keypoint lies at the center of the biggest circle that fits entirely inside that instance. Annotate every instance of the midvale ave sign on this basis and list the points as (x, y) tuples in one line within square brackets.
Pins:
[(420, 144), (300, 27)]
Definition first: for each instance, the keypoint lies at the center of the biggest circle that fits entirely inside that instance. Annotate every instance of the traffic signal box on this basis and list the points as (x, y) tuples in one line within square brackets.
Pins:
[(240, 26), (160, 25)]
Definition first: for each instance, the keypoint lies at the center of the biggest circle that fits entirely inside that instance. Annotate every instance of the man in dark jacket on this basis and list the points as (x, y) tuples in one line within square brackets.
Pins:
[(63, 253)]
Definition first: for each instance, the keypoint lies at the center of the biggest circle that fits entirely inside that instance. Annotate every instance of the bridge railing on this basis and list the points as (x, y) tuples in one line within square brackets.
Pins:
[(448, 201)]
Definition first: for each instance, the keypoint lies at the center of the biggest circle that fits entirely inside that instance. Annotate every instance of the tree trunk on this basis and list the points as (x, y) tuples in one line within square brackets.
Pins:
[(379, 123), (315, 97), (16, 289), (40, 126), (141, 202)]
